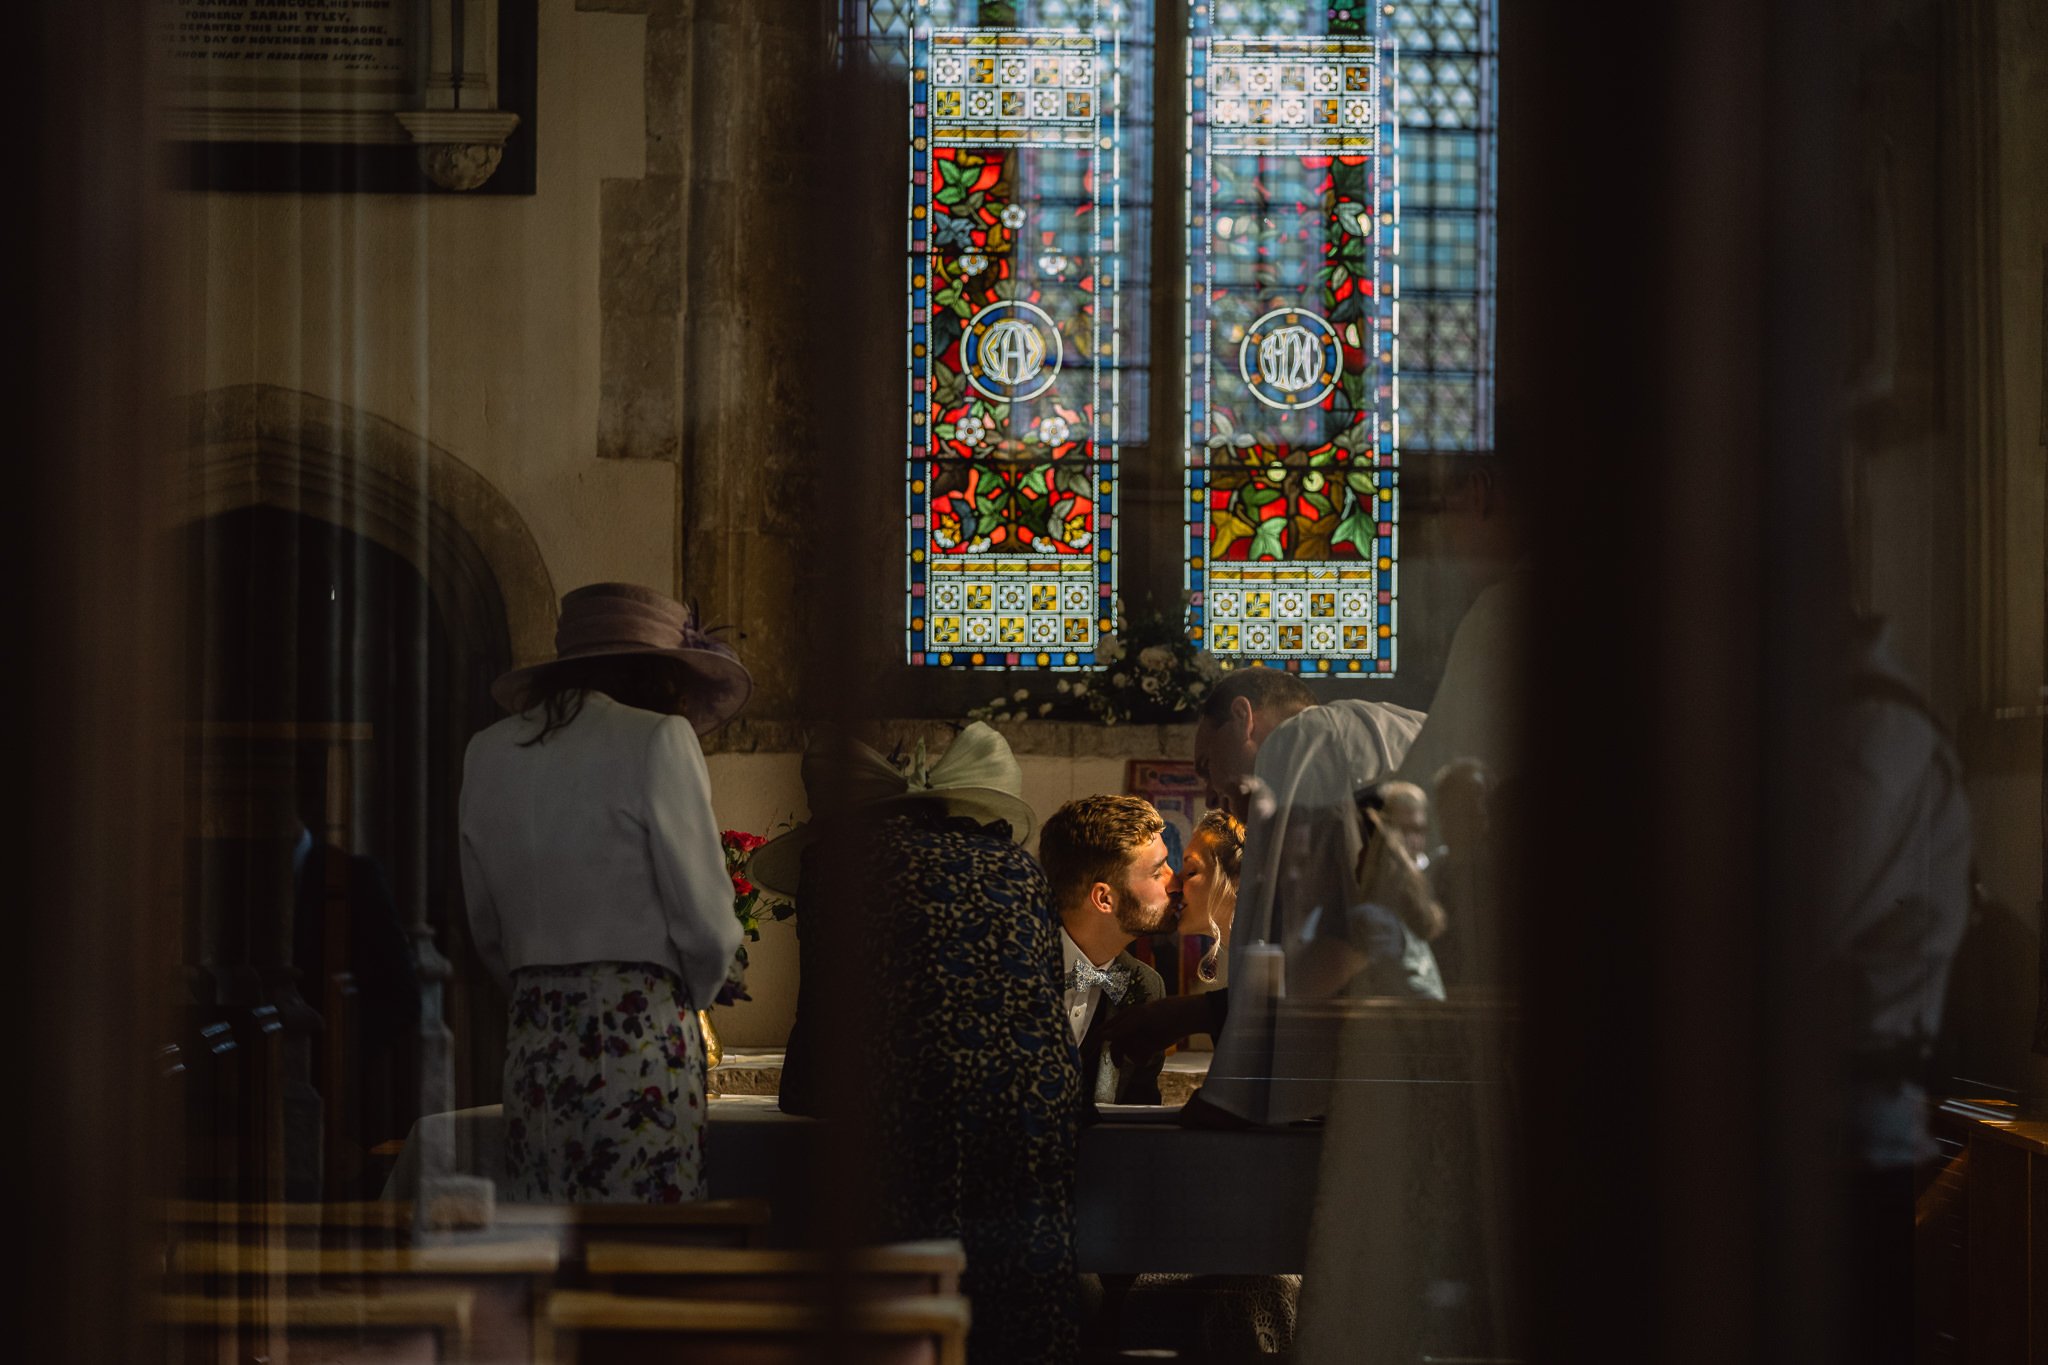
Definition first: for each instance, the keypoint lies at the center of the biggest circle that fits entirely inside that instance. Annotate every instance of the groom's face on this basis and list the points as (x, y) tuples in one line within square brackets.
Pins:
[(1143, 902)]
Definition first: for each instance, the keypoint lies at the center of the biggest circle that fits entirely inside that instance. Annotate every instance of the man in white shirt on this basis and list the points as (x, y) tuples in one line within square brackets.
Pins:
[(1105, 857), (1290, 768), (1249, 705)]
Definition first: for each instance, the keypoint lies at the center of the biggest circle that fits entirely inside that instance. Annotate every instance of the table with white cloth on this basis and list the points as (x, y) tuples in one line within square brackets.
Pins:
[(1154, 1197)]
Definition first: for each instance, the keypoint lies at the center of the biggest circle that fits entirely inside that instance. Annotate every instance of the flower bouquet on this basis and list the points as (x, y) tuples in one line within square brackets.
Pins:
[(748, 904), (1149, 673)]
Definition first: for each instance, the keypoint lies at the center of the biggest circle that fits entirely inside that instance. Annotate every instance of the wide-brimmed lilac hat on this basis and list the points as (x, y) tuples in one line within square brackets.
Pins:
[(623, 618)]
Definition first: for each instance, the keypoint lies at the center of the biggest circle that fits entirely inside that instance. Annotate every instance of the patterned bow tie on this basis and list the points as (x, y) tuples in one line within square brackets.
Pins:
[(1113, 980)]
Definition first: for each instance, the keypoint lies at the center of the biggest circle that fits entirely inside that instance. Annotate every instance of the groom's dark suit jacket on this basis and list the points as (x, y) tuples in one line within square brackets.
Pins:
[(1137, 1082)]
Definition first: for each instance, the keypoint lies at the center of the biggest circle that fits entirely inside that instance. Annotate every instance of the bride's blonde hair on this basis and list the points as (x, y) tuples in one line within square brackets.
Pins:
[(1224, 836)]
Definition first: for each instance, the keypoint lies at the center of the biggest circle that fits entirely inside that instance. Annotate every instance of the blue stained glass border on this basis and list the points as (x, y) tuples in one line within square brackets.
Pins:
[(925, 645), (1374, 655)]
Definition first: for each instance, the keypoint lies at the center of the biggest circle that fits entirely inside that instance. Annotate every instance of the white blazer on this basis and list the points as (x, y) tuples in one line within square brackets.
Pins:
[(598, 845)]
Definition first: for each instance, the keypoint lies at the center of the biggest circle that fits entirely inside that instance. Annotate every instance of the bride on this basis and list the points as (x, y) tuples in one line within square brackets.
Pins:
[(1205, 892)]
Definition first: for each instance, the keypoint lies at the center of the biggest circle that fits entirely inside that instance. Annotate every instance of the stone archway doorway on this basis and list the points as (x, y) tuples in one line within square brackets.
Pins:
[(353, 591)]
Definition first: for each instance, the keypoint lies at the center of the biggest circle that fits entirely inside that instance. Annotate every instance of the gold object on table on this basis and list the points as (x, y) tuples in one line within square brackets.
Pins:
[(712, 1051)]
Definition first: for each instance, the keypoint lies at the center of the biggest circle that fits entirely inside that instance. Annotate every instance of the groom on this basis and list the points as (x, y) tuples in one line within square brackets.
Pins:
[(1105, 857)]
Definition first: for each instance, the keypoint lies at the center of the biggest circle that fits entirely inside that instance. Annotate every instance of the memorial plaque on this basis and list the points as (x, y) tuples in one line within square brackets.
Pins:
[(326, 96), (307, 54)]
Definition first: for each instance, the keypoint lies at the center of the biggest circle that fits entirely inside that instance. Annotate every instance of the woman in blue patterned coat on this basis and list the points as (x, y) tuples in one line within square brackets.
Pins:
[(927, 934)]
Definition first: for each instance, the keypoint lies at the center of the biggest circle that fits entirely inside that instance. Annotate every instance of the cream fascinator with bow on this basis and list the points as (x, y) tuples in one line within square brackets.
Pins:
[(977, 777)]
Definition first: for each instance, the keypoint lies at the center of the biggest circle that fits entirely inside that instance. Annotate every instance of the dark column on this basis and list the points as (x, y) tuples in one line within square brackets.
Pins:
[(1667, 304)]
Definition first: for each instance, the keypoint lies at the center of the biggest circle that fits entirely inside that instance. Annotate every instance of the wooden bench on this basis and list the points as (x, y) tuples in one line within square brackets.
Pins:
[(371, 1222), (868, 1274), (709, 1222), (593, 1328), (357, 1328), (503, 1280), (714, 1222)]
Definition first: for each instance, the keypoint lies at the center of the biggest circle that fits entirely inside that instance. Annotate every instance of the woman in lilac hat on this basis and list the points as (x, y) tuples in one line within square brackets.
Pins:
[(598, 896)]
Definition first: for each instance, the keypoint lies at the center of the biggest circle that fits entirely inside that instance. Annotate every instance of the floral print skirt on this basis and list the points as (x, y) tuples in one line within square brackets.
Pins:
[(604, 1087)]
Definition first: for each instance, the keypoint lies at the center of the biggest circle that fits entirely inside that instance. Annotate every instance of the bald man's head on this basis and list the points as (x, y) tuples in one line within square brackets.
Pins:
[(1244, 706)]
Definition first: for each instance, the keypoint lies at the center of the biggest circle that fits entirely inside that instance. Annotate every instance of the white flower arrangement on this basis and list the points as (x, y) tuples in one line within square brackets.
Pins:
[(1147, 672)]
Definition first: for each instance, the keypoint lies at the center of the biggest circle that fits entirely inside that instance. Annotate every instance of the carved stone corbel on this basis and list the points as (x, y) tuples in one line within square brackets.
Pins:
[(460, 136), (459, 148)]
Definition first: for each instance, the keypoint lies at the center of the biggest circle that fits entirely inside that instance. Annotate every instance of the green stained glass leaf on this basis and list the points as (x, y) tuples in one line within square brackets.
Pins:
[(1357, 529), (1354, 438), (1266, 539)]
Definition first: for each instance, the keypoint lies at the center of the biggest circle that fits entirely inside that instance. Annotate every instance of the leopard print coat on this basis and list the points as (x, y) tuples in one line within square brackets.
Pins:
[(976, 1098)]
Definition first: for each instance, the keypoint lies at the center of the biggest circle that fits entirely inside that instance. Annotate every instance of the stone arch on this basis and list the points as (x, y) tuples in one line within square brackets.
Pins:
[(263, 445)]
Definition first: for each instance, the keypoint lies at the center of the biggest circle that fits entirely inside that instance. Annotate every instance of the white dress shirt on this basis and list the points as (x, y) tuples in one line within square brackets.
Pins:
[(1081, 1000), (598, 845), (1300, 869)]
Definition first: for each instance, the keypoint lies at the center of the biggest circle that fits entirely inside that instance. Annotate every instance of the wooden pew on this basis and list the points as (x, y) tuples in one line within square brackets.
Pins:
[(712, 1222), (593, 1328), (505, 1280), (900, 1271), (362, 1329), (708, 1223), (369, 1222)]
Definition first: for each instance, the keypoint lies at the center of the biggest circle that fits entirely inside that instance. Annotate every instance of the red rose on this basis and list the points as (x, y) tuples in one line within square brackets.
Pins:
[(741, 886)]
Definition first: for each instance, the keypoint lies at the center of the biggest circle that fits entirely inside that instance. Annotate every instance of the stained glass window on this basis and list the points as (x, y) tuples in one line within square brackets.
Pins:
[(1339, 293), (1292, 440), (1015, 332), (1339, 285)]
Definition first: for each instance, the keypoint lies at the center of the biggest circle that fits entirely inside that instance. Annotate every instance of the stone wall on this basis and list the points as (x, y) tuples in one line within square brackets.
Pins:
[(647, 363), (473, 323)]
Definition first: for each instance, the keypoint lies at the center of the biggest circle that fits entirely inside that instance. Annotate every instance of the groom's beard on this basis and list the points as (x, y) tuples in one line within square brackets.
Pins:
[(1134, 919)]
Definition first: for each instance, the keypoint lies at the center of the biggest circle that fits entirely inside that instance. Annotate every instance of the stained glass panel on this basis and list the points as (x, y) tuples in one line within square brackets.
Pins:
[(1015, 332), (1340, 280), (1292, 438), (1445, 114)]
